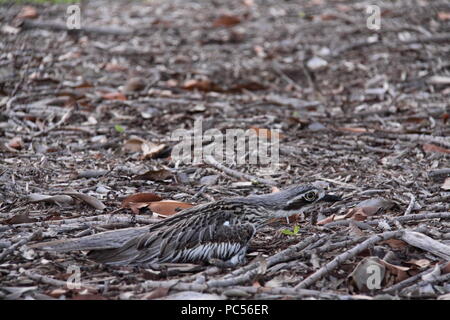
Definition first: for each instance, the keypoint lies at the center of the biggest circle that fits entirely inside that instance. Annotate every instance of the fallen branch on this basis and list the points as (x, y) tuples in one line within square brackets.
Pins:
[(347, 255), (54, 26), (426, 243), (411, 204), (213, 162), (20, 243), (57, 283)]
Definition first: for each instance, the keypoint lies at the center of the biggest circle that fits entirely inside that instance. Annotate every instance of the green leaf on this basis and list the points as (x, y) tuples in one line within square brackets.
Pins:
[(287, 232), (296, 229), (119, 128)]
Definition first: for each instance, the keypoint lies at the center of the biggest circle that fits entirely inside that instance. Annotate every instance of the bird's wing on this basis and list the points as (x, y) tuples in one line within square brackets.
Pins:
[(210, 231)]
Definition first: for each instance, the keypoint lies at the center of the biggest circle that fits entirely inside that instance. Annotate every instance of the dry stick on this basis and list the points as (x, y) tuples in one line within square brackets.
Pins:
[(411, 204), (405, 283), (53, 26), (63, 119), (439, 172), (347, 255), (411, 217), (18, 244), (277, 258), (408, 291), (426, 243), (182, 286), (213, 162), (57, 283)]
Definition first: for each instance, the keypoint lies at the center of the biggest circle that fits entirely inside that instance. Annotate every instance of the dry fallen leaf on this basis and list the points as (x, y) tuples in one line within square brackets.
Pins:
[(226, 21), (149, 149), (428, 147), (114, 96), (114, 67), (168, 207), (421, 263), (443, 16), (137, 201), (19, 218), (202, 85), (446, 185), (28, 12), (395, 243), (93, 202), (134, 84), (266, 133), (16, 143)]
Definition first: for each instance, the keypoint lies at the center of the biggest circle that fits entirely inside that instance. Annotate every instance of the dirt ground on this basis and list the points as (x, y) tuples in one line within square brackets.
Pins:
[(87, 117)]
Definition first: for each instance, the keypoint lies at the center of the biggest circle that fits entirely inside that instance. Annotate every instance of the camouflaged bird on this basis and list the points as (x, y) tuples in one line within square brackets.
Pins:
[(213, 232)]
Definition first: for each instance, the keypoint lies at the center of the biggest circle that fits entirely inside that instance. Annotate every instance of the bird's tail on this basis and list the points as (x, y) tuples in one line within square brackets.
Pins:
[(116, 256)]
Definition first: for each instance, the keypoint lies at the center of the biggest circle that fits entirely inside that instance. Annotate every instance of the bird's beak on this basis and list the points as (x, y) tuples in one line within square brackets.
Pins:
[(330, 198)]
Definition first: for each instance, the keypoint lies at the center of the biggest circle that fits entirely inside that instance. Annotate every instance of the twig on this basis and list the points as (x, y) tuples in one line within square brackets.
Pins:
[(213, 162), (63, 119), (57, 283), (411, 204), (18, 244), (439, 172), (53, 26), (426, 243), (235, 290), (347, 255), (405, 283), (409, 291)]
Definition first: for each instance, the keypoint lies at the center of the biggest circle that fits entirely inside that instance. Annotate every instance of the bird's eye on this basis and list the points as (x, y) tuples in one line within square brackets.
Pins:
[(310, 196)]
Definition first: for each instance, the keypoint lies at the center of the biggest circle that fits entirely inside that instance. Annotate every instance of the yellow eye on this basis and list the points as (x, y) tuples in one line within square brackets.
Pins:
[(310, 196)]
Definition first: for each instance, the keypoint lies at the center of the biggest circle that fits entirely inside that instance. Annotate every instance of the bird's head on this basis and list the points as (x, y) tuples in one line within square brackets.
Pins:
[(295, 199)]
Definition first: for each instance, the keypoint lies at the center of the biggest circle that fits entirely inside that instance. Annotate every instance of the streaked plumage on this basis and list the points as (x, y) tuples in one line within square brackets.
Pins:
[(219, 230)]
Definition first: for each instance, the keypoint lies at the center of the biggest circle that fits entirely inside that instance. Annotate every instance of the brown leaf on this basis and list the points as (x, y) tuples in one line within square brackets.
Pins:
[(202, 85), (168, 207), (266, 133), (144, 197), (16, 143), (226, 21), (400, 273), (133, 144), (114, 96), (114, 67), (421, 263), (19, 218), (428, 147), (134, 84), (443, 16), (326, 220), (149, 149), (28, 12), (357, 214), (156, 293), (395, 243), (154, 175)]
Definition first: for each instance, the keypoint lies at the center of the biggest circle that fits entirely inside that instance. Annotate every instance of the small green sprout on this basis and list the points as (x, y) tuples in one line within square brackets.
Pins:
[(119, 128), (293, 232)]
